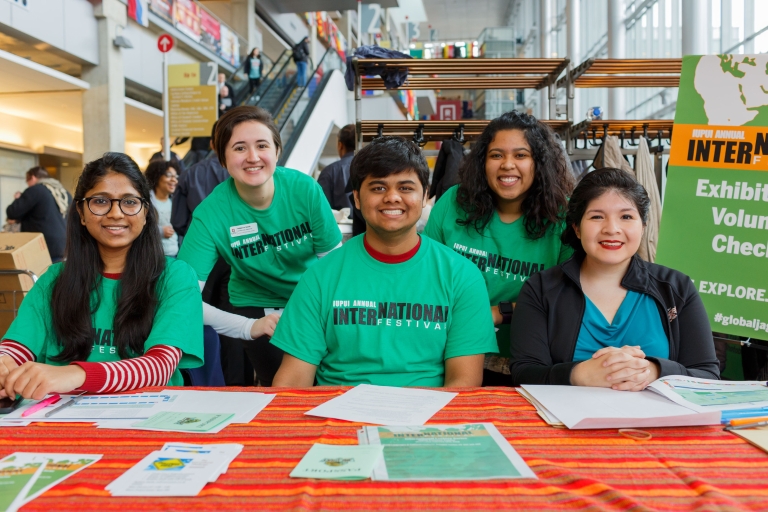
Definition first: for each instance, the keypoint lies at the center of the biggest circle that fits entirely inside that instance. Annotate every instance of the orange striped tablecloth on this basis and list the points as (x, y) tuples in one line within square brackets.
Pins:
[(694, 468)]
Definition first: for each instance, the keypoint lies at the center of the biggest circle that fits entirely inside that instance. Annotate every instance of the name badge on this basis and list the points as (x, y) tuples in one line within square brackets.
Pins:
[(244, 229)]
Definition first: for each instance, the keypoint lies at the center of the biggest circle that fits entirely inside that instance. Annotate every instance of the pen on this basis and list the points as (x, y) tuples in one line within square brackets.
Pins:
[(749, 425), (42, 404), (745, 421), (63, 406)]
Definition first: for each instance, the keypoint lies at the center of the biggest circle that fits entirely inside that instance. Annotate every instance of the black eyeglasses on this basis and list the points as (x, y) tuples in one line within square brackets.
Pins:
[(103, 205)]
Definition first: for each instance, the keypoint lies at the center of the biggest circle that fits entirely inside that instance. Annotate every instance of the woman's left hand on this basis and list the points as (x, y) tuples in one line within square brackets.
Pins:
[(35, 380), (630, 371)]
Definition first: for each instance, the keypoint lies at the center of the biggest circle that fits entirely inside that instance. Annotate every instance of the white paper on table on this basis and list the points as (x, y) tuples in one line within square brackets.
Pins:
[(244, 405), (716, 395), (14, 423), (231, 451), (383, 405), (188, 478), (588, 407), (89, 408)]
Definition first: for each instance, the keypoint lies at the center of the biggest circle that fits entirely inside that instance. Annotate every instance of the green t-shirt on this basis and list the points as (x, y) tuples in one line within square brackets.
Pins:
[(503, 252), (178, 319), (363, 321), (268, 250)]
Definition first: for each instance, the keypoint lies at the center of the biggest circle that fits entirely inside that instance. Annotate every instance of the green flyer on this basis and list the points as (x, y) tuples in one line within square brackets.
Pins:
[(17, 475), (444, 452), (338, 462), (714, 226), (184, 421)]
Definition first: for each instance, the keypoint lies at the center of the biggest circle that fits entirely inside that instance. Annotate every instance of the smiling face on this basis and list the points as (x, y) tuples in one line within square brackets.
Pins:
[(168, 184), (509, 166), (251, 154), (114, 231), (391, 205), (611, 229)]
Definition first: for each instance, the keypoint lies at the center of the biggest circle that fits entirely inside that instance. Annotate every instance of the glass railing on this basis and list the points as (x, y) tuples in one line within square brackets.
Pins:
[(303, 100), (241, 85), (279, 88)]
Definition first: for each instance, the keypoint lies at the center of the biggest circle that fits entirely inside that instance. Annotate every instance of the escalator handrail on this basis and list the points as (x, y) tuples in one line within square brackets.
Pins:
[(309, 79), (274, 80), (275, 63), (230, 79)]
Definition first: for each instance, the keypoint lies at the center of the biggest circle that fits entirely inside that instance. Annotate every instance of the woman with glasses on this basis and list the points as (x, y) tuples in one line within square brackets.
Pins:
[(163, 177), (117, 315)]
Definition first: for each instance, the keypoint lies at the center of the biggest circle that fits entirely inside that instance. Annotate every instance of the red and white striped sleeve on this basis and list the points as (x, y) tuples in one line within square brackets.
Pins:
[(154, 368), (16, 351)]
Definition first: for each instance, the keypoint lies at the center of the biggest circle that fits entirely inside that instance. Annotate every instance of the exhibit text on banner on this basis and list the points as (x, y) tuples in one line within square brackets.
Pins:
[(192, 99), (714, 225)]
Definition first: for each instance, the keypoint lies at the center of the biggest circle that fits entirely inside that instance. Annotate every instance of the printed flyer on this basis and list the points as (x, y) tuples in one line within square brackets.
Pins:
[(714, 225)]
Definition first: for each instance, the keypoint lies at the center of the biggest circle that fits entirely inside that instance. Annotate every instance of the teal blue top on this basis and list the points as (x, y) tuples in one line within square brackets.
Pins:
[(637, 322), (255, 68)]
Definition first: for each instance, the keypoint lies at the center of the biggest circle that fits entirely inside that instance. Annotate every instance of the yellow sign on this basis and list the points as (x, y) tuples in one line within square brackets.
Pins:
[(192, 99)]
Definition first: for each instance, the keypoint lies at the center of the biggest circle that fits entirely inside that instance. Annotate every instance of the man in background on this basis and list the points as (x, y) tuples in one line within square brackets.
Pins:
[(334, 178), (42, 208)]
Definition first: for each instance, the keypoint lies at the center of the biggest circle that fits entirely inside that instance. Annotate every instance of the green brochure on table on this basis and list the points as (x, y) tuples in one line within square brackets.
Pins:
[(17, 475), (187, 421), (338, 462), (475, 451)]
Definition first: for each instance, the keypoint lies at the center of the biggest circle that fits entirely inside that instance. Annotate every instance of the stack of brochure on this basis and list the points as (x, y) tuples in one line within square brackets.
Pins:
[(25, 476), (178, 469), (671, 401), (175, 410)]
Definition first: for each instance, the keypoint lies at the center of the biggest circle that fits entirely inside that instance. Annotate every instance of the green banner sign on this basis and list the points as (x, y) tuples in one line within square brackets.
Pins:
[(714, 225)]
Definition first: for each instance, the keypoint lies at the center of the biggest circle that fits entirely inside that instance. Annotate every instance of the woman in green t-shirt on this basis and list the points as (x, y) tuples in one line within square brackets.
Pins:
[(269, 223), (117, 315), (506, 216)]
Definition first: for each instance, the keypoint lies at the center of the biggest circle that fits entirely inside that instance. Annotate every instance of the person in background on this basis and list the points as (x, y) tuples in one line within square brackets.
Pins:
[(117, 315), (163, 178), (506, 216), (42, 208), (269, 223), (301, 58), (605, 317), (221, 79), (158, 157), (424, 320), (334, 178), (254, 69), (225, 101)]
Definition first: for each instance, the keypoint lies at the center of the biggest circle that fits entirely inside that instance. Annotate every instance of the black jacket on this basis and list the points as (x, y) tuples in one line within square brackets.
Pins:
[(334, 179), (38, 212), (195, 185), (446, 172), (551, 304)]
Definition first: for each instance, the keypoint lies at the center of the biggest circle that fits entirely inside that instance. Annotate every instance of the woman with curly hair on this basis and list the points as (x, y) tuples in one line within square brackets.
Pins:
[(163, 177), (506, 216)]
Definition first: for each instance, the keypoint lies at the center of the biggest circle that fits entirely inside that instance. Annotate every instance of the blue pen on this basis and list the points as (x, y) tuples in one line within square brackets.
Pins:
[(727, 416)]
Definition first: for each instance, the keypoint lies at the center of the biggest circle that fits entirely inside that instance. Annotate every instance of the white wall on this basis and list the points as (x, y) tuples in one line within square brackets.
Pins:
[(68, 25), (381, 108), (330, 110), (143, 63)]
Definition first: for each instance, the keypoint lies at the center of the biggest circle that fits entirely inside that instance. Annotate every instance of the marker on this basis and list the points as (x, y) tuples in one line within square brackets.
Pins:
[(746, 421), (72, 401), (749, 425), (41, 405)]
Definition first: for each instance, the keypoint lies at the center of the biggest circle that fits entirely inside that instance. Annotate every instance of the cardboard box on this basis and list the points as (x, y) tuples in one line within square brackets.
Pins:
[(19, 251)]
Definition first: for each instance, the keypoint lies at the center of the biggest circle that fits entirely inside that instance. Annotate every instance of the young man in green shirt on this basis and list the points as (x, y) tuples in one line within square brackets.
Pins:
[(389, 307)]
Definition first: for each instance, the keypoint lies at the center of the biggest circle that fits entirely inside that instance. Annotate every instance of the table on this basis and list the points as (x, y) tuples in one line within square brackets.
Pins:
[(693, 468)]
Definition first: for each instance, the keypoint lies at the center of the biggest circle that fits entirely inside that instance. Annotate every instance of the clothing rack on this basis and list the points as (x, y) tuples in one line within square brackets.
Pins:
[(451, 74)]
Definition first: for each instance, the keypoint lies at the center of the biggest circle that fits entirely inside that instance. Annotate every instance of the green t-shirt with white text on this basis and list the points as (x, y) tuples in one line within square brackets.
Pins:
[(178, 319), (503, 252), (360, 320), (268, 250)]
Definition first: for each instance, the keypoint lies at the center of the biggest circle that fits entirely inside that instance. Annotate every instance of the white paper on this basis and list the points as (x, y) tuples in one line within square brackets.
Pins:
[(187, 475), (711, 395), (382, 405), (244, 405), (230, 451), (588, 407), (20, 459), (134, 406)]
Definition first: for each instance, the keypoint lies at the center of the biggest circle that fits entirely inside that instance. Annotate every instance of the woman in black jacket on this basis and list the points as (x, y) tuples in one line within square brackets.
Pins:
[(605, 317)]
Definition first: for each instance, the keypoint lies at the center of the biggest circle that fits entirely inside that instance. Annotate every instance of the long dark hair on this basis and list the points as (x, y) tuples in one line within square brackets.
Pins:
[(594, 185), (71, 304), (546, 200)]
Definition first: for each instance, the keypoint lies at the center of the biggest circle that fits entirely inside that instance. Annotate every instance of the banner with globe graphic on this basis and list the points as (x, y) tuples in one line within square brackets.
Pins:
[(715, 219)]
